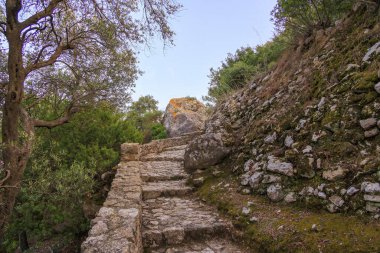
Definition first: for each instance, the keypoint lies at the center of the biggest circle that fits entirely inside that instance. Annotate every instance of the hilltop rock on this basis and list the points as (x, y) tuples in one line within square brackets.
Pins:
[(184, 115)]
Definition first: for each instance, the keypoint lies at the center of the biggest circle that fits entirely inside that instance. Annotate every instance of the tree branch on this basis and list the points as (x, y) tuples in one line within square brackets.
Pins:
[(57, 122), (39, 15), (2, 181), (53, 58)]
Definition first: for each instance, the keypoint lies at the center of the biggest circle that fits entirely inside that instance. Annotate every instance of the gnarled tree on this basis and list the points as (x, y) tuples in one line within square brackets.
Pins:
[(82, 51)]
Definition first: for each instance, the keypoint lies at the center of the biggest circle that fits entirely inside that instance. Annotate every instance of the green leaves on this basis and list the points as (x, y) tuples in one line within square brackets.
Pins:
[(302, 17), (238, 69)]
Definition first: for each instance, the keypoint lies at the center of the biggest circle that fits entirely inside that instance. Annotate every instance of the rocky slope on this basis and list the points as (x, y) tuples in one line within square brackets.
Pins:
[(308, 131)]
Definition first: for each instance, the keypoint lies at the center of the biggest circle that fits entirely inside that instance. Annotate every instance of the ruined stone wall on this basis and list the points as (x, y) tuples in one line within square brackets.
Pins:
[(117, 227)]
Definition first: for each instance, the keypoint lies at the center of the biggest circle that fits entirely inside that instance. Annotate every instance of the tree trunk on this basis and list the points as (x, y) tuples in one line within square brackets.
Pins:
[(17, 130)]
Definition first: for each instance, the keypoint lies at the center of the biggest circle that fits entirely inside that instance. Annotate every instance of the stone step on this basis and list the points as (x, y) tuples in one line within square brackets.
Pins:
[(172, 188), (172, 221), (182, 147), (210, 246), (171, 155), (162, 170)]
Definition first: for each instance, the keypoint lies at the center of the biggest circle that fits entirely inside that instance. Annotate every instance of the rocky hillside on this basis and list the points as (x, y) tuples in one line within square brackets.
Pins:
[(307, 131)]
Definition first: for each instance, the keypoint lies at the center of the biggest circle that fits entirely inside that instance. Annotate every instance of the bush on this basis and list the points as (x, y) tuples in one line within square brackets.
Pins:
[(239, 68), (299, 16), (158, 132), (64, 172)]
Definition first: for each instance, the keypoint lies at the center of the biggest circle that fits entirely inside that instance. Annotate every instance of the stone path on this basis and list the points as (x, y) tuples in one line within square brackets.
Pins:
[(150, 208), (173, 221)]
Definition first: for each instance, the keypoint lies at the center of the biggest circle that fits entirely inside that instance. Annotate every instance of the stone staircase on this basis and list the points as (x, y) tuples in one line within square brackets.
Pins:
[(151, 209)]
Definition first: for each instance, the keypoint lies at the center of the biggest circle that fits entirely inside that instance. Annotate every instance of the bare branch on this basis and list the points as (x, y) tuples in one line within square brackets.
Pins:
[(53, 58), (5, 178), (57, 122), (39, 15)]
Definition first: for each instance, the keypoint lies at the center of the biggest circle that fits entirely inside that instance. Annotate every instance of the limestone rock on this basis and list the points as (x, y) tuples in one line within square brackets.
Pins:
[(289, 141), (377, 87), (275, 192), (351, 191), (184, 115), (333, 175), (205, 151), (284, 168), (370, 187), (255, 179), (368, 123), (371, 133), (336, 200), (291, 197), (371, 51)]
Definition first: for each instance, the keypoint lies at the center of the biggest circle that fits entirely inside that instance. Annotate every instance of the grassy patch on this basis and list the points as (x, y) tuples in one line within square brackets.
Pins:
[(285, 228)]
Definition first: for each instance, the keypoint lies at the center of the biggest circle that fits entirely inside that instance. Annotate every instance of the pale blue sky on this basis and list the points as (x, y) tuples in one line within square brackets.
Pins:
[(206, 31)]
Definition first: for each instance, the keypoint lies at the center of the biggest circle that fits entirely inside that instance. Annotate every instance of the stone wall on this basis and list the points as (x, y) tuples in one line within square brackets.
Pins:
[(117, 227)]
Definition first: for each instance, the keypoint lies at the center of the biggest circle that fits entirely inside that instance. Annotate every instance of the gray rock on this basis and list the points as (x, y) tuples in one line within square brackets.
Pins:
[(371, 51), (371, 133), (290, 197), (307, 191), (333, 175), (368, 187), (270, 139), (377, 87), (245, 210), (248, 165), (372, 207), (254, 219), (351, 191), (352, 67), (275, 192), (322, 195), (255, 179), (372, 198), (269, 179), (289, 141), (205, 151), (184, 115), (332, 208), (368, 123), (245, 179), (307, 149), (277, 166), (337, 200), (321, 103), (301, 124)]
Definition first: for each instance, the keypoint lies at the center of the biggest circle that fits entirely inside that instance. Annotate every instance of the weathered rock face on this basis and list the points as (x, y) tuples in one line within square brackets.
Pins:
[(206, 150), (184, 115), (301, 134)]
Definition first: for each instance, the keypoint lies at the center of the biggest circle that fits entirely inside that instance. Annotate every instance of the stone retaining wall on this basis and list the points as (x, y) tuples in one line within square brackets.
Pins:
[(117, 227)]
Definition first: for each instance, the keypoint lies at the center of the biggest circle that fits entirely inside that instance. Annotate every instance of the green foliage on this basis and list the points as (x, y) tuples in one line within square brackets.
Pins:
[(63, 172), (146, 117), (158, 132), (299, 16), (239, 68)]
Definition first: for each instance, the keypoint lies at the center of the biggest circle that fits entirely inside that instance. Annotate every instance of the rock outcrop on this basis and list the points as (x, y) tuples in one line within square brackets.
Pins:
[(184, 115), (206, 150), (309, 130)]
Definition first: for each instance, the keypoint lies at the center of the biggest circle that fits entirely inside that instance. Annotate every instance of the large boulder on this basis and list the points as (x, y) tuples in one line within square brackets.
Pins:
[(207, 150), (184, 115)]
